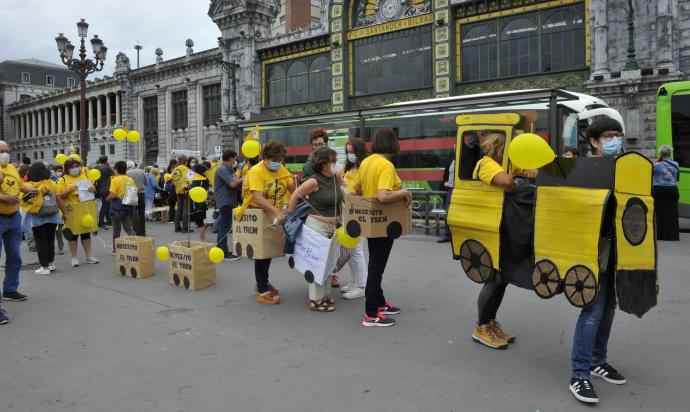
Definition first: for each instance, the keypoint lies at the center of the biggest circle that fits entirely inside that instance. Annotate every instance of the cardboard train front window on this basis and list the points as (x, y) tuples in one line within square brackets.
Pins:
[(680, 126)]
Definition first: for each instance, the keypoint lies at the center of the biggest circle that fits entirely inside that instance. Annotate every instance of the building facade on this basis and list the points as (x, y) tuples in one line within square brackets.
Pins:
[(368, 53)]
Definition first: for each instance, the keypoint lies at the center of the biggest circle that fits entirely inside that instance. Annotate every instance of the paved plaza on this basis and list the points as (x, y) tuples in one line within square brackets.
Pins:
[(90, 340)]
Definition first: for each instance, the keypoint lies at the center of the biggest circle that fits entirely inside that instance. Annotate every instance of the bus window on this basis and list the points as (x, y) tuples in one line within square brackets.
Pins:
[(471, 152), (680, 129)]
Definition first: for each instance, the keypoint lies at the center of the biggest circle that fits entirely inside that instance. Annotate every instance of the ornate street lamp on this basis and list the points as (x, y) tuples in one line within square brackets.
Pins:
[(231, 69), (82, 67), (631, 64)]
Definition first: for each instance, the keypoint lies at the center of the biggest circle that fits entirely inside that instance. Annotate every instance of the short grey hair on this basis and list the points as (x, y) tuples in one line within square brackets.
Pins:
[(4, 143), (665, 150), (131, 165)]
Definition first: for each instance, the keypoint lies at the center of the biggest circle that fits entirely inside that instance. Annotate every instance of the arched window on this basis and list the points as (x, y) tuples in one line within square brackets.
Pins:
[(519, 51), (479, 53), (297, 83), (319, 79), (563, 41), (276, 85)]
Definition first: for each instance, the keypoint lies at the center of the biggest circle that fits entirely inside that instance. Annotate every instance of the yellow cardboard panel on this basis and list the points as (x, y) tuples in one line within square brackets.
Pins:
[(643, 255), (634, 174)]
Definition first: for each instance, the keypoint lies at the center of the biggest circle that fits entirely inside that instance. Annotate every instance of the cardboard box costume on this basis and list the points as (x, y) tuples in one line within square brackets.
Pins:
[(256, 237), (367, 217), (189, 266), (134, 256)]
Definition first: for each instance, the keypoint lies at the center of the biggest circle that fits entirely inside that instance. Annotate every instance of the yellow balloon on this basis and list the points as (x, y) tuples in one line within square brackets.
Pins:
[(60, 158), (133, 136), (75, 157), (119, 134), (163, 253), (198, 194), (530, 151), (93, 174), (251, 149), (216, 255), (87, 220), (346, 240)]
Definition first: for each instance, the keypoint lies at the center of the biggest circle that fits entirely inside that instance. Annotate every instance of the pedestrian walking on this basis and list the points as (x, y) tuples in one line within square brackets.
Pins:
[(121, 214), (197, 211), (225, 189), (139, 178)]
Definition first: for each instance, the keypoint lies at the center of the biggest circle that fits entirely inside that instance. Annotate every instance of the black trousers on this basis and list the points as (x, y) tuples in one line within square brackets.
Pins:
[(666, 210), (45, 243), (172, 200), (379, 250), (490, 298), (104, 215), (140, 215), (261, 267)]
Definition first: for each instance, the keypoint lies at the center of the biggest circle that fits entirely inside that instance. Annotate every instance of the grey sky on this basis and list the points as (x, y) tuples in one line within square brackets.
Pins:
[(28, 27)]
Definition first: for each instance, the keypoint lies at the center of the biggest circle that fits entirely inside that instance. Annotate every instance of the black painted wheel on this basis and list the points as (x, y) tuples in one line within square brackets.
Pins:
[(476, 261), (545, 279), (238, 249), (309, 277), (133, 272), (580, 286), (123, 270), (353, 228), (394, 230), (186, 282), (176, 279), (250, 251), (291, 262)]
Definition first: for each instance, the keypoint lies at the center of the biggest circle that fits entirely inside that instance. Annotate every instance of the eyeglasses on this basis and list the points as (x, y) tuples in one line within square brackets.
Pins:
[(318, 145)]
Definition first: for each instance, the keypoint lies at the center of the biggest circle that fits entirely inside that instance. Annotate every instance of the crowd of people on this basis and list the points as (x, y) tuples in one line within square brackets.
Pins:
[(127, 196)]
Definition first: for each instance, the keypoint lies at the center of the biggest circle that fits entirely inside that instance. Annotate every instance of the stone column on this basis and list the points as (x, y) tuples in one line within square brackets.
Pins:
[(46, 122), (664, 21), (600, 34), (17, 128), (22, 121), (53, 121), (107, 109), (118, 114), (59, 120), (75, 125), (39, 114), (89, 112), (99, 118)]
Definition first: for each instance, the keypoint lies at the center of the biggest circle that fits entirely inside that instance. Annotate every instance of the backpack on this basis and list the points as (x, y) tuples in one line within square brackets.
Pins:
[(131, 196), (49, 206)]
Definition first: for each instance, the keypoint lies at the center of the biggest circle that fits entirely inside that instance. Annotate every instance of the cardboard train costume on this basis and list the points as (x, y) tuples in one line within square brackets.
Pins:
[(586, 217)]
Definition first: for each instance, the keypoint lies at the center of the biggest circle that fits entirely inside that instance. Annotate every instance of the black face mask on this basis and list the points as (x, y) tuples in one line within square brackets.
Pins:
[(253, 161)]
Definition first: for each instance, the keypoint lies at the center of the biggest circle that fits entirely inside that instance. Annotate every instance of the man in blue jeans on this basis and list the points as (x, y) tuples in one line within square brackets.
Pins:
[(590, 343), (225, 191)]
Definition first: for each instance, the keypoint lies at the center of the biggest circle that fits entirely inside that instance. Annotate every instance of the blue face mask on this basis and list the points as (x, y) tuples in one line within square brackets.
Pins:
[(75, 172), (352, 158), (611, 147), (273, 166)]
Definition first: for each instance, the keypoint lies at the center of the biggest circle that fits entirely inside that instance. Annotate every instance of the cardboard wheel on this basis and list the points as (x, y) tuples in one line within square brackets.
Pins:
[(176, 279), (67, 234), (476, 261), (133, 272), (250, 251), (123, 270), (186, 282), (238, 249), (309, 277), (291, 262), (546, 279), (394, 230), (580, 286), (353, 228)]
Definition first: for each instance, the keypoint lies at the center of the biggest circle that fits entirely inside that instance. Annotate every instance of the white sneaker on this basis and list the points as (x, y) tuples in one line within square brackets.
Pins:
[(91, 259), (354, 293), (51, 267), (42, 271), (75, 262), (347, 288)]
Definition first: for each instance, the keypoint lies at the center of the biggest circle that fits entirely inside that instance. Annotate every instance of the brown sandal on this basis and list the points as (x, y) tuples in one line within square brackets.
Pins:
[(321, 306)]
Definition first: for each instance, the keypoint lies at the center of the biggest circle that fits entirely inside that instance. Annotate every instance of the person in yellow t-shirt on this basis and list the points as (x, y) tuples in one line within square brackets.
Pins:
[(11, 189), (181, 182), (67, 190), (122, 215), (377, 178), (356, 152), (267, 184)]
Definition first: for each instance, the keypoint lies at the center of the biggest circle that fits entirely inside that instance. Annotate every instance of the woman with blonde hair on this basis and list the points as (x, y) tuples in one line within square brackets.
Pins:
[(665, 192)]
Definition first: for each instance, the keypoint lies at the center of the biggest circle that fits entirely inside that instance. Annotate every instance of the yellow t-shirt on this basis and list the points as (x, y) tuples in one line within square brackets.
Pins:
[(351, 181), (118, 185), (179, 178), (68, 181), (10, 186), (487, 168), (243, 170), (274, 185), (34, 204), (376, 173)]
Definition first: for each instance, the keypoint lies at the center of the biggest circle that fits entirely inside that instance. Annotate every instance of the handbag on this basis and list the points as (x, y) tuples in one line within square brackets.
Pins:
[(49, 206), (131, 196)]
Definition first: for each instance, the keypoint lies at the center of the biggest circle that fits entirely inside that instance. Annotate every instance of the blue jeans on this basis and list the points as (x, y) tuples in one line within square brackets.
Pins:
[(592, 331), (11, 237), (223, 225)]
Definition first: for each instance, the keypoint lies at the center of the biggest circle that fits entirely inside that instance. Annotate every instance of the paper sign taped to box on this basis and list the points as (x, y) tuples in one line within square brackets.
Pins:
[(315, 255), (134, 256), (256, 236), (367, 217)]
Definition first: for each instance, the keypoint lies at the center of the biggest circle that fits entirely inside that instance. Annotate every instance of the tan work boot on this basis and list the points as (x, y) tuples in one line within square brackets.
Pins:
[(484, 334), (500, 333)]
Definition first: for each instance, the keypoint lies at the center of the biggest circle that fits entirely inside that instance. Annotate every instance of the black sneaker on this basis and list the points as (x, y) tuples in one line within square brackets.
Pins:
[(177, 229), (4, 320), (583, 390), (389, 309), (608, 373), (378, 320), (15, 296), (231, 258)]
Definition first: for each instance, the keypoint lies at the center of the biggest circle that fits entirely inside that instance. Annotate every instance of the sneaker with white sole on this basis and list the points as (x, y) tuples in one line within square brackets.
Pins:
[(378, 320), (75, 262), (354, 293), (92, 260), (389, 309), (583, 390), (51, 267), (42, 271), (608, 373), (347, 288)]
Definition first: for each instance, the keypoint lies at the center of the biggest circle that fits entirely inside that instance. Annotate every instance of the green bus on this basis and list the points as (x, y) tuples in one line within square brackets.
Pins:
[(673, 128)]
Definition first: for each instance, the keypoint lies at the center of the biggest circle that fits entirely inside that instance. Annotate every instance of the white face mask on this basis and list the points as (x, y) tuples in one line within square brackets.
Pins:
[(4, 159), (336, 168)]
